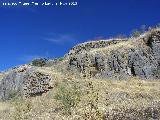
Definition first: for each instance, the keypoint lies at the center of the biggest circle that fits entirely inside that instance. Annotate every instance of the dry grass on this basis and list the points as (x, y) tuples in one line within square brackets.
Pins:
[(5, 111), (123, 46), (95, 100), (89, 99)]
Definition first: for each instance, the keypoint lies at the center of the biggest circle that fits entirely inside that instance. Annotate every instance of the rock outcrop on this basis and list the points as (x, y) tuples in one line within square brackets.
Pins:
[(87, 46), (118, 58), (24, 81), (111, 59)]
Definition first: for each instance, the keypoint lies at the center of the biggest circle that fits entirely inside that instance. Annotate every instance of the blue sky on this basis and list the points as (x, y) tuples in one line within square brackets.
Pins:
[(30, 32)]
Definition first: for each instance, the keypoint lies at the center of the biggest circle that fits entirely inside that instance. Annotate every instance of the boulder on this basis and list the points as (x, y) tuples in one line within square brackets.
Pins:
[(24, 82)]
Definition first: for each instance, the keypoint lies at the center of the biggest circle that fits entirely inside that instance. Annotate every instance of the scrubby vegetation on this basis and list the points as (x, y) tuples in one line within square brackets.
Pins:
[(39, 62), (68, 95), (90, 100), (73, 97)]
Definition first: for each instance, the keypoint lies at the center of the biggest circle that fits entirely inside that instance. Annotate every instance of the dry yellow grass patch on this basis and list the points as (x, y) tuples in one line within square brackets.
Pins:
[(3, 106), (92, 99), (120, 45), (87, 99), (5, 110)]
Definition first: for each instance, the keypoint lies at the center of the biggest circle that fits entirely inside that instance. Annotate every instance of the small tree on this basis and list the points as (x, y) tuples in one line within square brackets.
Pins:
[(39, 62)]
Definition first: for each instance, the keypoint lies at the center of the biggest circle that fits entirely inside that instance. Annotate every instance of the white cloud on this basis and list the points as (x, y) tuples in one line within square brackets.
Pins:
[(60, 39)]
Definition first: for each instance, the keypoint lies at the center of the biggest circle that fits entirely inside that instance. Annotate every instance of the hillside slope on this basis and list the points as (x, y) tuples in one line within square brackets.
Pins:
[(116, 79), (111, 59)]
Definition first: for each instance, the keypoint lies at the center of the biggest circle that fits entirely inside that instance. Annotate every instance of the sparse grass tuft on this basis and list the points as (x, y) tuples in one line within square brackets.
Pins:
[(22, 109), (68, 95)]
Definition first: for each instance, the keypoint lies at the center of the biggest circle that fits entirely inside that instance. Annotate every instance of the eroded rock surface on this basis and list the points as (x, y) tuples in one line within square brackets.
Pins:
[(87, 46), (137, 57), (24, 82)]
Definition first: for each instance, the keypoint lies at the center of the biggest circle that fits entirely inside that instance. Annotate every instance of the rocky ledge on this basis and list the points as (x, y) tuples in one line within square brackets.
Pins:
[(120, 59)]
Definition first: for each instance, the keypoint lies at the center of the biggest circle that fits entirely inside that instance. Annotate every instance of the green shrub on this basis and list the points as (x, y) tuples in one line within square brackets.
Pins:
[(68, 95), (39, 62), (61, 59)]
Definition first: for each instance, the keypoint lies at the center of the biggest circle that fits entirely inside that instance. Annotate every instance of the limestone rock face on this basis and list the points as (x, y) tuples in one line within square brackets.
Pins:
[(36, 83), (24, 82), (154, 43), (87, 46), (137, 57)]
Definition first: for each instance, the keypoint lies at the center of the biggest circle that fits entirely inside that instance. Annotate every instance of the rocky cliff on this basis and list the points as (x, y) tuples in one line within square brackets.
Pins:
[(24, 81), (111, 59), (118, 58)]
